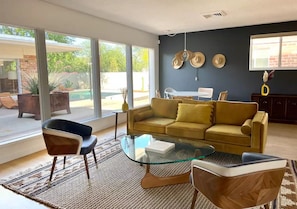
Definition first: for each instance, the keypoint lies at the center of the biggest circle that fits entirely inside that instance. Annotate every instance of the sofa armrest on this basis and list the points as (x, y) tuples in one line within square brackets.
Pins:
[(259, 131), (131, 116)]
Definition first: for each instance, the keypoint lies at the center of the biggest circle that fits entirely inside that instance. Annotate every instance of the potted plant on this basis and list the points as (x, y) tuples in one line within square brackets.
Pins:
[(32, 85), (29, 102)]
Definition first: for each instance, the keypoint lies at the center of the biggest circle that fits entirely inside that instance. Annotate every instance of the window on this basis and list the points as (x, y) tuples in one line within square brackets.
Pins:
[(69, 67), (113, 75), (141, 69), (273, 52), (70, 73), (17, 61)]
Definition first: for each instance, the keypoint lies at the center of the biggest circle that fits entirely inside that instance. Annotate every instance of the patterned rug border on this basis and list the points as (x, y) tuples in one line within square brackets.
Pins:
[(112, 148)]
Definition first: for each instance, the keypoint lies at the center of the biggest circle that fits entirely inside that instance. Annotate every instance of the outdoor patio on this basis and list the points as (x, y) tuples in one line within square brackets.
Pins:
[(12, 127)]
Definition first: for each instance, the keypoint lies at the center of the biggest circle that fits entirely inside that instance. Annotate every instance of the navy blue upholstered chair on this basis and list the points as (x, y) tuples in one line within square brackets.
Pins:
[(254, 182), (64, 137)]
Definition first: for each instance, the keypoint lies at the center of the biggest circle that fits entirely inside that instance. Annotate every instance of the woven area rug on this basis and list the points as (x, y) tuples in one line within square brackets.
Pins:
[(116, 183)]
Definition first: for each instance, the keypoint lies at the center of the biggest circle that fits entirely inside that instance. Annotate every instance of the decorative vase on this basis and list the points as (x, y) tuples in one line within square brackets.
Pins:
[(265, 90), (125, 106)]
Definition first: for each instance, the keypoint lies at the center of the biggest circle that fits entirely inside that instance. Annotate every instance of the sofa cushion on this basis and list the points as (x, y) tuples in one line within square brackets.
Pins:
[(166, 108), (194, 113), (228, 134), (153, 125), (246, 127), (143, 115), (192, 101), (187, 130), (234, 113)]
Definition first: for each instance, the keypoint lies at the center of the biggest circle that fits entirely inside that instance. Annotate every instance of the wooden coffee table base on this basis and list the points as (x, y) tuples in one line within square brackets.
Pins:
[(150, 181)]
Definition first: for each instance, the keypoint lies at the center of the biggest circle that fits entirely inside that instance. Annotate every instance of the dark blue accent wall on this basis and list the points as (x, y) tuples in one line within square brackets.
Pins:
[(235, 76)]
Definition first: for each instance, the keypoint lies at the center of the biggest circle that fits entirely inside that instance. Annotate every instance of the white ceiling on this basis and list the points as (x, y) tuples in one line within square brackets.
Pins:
[(162, 17)]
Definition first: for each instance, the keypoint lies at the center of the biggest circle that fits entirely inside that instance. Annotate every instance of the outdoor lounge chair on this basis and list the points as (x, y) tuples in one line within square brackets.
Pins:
[(7, 101)]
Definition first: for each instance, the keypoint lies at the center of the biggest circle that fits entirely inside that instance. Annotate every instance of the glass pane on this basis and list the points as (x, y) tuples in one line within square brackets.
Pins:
[(113, 76), (289, 52), (70, 76), (141, 67), (265, 52), (17, 59)]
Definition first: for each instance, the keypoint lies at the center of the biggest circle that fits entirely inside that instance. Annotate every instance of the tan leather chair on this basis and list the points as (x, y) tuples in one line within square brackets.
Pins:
[(158, 94), (254, 182), (64, 137), (223, 95)]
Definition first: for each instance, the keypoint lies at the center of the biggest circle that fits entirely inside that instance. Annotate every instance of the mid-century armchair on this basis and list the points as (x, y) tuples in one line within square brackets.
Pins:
[(254, 182), (64, 137)]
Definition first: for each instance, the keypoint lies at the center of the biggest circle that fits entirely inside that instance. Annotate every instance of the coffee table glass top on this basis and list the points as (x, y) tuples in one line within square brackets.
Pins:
[(135, 149)]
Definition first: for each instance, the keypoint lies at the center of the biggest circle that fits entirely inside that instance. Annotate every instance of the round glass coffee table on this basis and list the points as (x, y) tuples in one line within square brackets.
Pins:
[(137, 149)]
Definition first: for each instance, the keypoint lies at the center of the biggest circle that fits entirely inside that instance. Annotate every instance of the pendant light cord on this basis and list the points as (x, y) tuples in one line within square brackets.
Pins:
[(185, 42)]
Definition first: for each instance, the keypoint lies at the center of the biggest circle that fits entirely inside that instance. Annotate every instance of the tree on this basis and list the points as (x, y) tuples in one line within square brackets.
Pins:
[(59, 61), (16, 31), (112, 57), (140, 59)]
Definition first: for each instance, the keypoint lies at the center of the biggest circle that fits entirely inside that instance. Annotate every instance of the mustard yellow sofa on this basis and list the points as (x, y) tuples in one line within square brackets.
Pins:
[(230, 126)]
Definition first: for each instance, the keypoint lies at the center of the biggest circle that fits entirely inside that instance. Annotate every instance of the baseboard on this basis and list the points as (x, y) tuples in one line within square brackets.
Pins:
[(29, 145), (21, 148)]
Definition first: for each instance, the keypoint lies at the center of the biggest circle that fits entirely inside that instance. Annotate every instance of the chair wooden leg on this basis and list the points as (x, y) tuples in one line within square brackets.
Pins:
[(87, 167), (94, 154), (194, 199), (53, 168), (64, 162)]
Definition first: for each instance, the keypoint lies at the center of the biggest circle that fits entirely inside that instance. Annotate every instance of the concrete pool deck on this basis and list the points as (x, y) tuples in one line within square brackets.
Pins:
[(13, 127)]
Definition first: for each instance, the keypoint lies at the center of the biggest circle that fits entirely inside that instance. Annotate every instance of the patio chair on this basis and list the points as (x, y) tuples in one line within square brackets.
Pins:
[(208, 93), (254, 182), (7, 101), (167, 91), (64, 137)]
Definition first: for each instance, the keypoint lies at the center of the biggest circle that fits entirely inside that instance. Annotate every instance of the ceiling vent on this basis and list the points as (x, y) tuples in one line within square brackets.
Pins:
[(214, 14)]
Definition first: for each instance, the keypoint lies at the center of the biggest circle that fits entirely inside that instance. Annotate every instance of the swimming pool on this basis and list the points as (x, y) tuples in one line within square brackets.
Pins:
[(87, 94)]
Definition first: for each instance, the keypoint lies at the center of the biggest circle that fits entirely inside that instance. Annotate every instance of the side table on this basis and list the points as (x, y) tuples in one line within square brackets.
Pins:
[(117, 112)]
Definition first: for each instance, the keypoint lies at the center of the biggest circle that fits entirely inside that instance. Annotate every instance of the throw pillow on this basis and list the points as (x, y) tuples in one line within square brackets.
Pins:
[(194, 113), (246, 127), (164, 108)]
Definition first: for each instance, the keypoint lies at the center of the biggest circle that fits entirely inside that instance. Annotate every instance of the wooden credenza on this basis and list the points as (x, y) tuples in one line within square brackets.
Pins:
[(281, 108)]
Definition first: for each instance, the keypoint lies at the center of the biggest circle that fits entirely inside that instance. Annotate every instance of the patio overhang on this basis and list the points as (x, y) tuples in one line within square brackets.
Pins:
[(15, 47)]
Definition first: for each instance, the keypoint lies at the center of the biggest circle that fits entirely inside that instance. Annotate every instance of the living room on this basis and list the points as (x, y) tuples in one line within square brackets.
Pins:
[(232, 42)]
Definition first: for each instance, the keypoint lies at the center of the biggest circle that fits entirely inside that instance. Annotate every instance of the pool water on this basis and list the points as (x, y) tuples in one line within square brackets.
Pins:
[(87, 94)]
